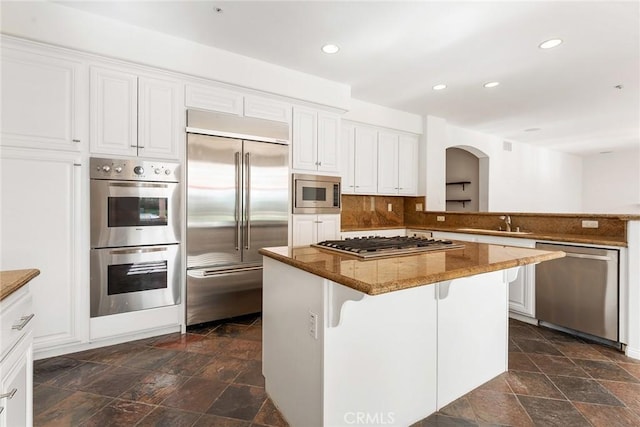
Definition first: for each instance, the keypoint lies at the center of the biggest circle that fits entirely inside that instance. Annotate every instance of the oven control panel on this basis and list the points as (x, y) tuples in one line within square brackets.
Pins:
[(134, 170)]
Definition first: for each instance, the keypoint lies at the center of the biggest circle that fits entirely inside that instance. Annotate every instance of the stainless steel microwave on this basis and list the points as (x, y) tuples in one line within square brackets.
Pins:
[(316, 194)]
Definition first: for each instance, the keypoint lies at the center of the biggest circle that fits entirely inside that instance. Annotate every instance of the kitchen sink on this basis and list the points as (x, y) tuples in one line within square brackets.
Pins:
[(480, 230)]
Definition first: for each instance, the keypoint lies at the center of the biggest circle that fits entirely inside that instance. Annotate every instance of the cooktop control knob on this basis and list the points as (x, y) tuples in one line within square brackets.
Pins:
[(138, 170), (157, 171), (167, 172), (118, 169), (106, 168)]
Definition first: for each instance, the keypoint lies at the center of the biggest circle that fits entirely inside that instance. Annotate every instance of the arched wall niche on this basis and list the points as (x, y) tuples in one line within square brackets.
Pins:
[(467, 179)]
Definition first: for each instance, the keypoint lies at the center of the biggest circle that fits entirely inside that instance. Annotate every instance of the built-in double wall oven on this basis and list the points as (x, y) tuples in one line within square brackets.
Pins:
[(135, 235)]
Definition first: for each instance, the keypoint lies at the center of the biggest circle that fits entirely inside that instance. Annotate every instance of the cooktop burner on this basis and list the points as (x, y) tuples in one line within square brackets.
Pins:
[(376, 246)]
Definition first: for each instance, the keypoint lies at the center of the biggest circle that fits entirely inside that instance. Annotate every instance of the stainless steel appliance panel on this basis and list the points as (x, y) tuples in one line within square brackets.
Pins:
[(227, 125), (214, 201), (580, 291), (219, 294), (316, 194), (130, 213), (266, 196), (133, 278)]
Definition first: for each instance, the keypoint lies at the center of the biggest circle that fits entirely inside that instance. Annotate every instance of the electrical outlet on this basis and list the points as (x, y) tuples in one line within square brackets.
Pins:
[(440, 218), (313, 325), (389, 207), (418, 207), (589, 224)]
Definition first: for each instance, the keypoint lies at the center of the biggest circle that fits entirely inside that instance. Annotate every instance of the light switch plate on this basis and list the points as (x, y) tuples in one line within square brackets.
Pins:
[(589, 224), (389, 207)]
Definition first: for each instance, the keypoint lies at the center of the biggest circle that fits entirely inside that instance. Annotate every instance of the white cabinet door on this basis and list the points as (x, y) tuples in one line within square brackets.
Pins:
[(347, 162), (213, 99), (16, 376), (366, 161), (328, 228), (42, 99), (158, 120), (114, 112), (522, 292), (268, 109), (41, 227), (305, 139), (387, 163), (328, 142), (304, 229), (408, 148)]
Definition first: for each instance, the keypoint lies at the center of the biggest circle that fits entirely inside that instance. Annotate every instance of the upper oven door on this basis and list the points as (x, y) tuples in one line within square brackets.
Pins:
[(129, 213)]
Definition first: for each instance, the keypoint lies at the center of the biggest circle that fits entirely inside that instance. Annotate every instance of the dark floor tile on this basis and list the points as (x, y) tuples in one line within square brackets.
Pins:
[(45, 397), (151, 359), (178, 341), (212, 345), (438, 420), (269, 415), (521, 362), (605, 370), (498, 383), (628, 393), (525, 331), (252, 333), (513, 347), (153, 388), (119, 413), (186, 364), (202, 328), (113, 381), (244, 349), (47, 369), (584, 390), (557, 365), (72, 411), (238, 401), (112, 355), (80, 376), (536, 346), (168, 417), (550, 412), (498, 408), (632, 368), (533, 384), (608, 416), (231, 330), (614, 354), (558, 336), (459, 408), (223, 368), (252, 375), (579, 350), (195, 395), (216, 421)]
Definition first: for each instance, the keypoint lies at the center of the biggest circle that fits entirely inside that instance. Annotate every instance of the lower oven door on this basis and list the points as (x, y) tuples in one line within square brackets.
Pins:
[(134, 278)]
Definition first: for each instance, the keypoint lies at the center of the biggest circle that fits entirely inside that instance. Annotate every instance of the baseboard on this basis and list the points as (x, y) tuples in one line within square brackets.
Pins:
[(523, 318), (632, 352)]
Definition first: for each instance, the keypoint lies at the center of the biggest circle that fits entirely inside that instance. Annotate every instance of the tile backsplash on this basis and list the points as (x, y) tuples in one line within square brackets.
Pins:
[(362, 212)]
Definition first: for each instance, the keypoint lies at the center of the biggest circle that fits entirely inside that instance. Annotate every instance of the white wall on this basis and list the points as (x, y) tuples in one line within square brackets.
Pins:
[(67, 27), (377, 115), (525, 179), (611, 182)]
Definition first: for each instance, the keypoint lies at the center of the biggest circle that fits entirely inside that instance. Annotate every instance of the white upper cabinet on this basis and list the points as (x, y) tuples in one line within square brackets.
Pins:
[(316, 140), (43, 95), (408, 153), (134, 115), (268, 109), (348, 159), (213, 99), (387, 163), (365, 161)]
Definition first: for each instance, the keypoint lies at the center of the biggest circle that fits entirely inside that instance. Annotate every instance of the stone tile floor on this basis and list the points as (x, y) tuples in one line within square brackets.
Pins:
[(211, 376)]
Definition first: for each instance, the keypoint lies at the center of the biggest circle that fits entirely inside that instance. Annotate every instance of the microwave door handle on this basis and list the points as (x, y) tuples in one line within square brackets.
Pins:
[(247, 214), (237, 210)]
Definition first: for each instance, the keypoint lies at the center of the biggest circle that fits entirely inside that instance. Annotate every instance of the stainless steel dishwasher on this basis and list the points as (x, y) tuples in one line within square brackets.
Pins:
[(580, 291)]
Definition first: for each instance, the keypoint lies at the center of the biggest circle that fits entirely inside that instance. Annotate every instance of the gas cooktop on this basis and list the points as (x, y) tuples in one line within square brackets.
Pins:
[(376, 246)]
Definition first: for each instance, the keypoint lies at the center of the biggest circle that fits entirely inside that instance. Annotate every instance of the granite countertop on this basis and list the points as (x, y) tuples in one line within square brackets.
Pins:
[(12, 280), (379, 276)]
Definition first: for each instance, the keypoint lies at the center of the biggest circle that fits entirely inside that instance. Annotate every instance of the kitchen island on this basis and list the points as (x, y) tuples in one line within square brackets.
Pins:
[(385, 341)]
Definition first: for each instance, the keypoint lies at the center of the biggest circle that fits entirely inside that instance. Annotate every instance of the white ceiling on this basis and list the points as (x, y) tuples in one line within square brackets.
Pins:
[(393, 52)]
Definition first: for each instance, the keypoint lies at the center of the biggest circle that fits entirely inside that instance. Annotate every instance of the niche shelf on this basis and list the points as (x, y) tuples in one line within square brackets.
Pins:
[(463, 183), (463, 201)]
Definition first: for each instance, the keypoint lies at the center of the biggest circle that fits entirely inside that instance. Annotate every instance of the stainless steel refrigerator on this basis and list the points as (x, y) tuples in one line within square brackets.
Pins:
[(237, 203)]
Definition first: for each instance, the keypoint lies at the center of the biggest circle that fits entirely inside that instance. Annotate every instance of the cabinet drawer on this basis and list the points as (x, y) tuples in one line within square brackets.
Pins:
[(16, 314)]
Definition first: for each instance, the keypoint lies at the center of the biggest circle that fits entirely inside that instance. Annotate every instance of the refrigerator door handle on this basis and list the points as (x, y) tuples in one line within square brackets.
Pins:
[(247, 214), (237, 210)]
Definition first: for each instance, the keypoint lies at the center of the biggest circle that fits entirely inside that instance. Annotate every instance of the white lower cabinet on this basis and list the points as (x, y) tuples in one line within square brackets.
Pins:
[(522, 290), (41, 227), (16, 363), (308, 229)]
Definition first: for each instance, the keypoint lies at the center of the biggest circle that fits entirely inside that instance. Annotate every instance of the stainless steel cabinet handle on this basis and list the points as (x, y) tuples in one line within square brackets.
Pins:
[(583, 256), (76, 140), (247, 161), (9, 395), (23, 322), (136, 251), (237, 212), (137, 185), (1, 409)]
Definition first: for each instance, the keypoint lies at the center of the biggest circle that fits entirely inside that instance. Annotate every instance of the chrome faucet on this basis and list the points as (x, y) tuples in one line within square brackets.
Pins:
[(507, 221)]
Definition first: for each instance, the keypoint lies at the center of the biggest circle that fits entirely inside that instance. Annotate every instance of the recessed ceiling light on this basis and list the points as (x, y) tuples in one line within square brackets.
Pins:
[(548, 44), (491, 84), (532, 130), (218, 9), (439, 87), (330, 48), (618, 86)]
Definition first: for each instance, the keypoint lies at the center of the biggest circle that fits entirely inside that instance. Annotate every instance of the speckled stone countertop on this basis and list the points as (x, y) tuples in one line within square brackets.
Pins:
[(382, 275), (12, 280)]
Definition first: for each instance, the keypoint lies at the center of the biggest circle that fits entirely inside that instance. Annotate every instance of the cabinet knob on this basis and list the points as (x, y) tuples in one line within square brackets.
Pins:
[(76, 140)]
